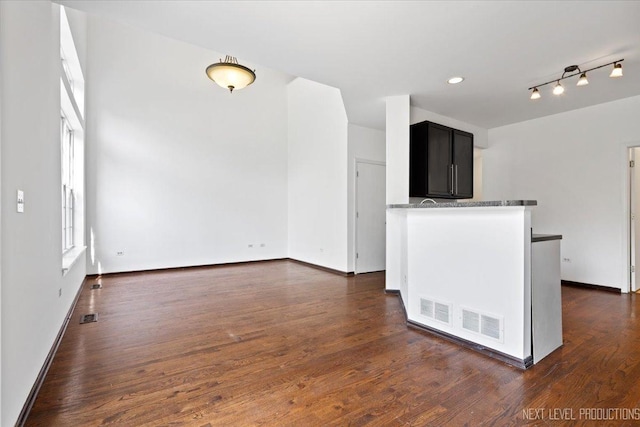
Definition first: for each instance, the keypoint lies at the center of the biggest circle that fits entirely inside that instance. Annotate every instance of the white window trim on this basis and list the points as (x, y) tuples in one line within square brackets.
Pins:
[(71, 257)]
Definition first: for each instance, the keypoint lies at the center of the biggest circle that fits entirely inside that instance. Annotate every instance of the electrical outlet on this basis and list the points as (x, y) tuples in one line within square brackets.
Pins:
[(250, 245), (20, 201), (566, 259), (120, 253)]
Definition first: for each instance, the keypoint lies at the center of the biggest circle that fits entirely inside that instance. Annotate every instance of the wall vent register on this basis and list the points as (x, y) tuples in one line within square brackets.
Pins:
[(483, 324), (436, 310)]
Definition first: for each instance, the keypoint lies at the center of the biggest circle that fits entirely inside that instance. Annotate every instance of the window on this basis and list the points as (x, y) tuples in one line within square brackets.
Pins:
[(66, 69), (72, 197), (68, 179)]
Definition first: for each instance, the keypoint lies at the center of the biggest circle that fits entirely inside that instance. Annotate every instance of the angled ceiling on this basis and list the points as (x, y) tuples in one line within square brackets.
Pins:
[(374, 49)]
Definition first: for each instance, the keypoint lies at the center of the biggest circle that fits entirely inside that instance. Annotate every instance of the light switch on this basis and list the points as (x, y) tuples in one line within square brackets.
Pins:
[(20, 204)]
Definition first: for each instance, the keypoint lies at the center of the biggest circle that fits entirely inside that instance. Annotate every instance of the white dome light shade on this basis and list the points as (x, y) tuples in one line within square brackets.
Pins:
[(230, 75), (455, 80)]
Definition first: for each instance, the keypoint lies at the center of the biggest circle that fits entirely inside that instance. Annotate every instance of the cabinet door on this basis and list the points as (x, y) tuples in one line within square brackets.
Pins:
[(439, 171), (463, 164), (418, 160)]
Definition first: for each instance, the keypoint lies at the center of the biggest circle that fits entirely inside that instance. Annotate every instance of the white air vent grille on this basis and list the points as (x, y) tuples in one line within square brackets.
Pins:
[(490, 326), (442, 312), (484, 324), (470, 321), (426, 307), (436, 310)]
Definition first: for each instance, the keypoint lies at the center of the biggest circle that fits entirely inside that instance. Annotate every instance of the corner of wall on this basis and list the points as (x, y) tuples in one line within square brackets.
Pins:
[(398, 117), (317, 174)]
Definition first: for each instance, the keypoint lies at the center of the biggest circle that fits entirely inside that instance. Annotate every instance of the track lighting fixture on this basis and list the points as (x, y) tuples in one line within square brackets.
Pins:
[(574, 70)]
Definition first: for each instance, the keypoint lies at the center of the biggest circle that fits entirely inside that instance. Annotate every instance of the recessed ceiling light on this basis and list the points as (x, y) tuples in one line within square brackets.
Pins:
[(455, 80)]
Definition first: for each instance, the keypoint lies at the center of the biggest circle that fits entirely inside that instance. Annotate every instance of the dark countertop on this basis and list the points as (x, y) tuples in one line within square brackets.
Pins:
[(545, 237), (429, 205)]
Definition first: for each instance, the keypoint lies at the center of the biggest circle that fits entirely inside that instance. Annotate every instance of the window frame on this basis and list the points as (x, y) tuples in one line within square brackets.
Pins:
[(67, 171)]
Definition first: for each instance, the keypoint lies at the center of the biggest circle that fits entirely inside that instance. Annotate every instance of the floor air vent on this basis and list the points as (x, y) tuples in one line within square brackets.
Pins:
[(483, 324), (435, 310), (89, 318), (96, 286)]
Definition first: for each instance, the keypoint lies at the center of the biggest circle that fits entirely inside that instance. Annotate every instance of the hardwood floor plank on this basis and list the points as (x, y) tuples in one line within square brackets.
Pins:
[(279, 343)]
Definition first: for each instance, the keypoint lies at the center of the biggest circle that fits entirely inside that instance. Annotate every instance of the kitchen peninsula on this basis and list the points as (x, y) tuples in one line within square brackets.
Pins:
[(464, 270)]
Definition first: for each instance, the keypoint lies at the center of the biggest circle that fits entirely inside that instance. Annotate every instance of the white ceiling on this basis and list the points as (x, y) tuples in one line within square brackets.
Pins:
[(374, 49)]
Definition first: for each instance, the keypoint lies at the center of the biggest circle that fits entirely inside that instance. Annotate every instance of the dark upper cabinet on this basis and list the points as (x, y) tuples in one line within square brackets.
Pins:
[(440, 162), (463, 164)]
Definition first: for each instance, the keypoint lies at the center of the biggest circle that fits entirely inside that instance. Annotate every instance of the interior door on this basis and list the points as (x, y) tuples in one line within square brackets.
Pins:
[(370, 217)]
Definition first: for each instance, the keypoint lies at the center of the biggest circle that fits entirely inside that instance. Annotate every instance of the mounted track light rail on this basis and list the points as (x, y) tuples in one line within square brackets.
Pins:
[(574, 70)]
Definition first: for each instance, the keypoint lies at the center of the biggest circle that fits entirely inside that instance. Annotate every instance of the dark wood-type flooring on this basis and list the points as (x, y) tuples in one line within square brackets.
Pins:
[(282, 344)]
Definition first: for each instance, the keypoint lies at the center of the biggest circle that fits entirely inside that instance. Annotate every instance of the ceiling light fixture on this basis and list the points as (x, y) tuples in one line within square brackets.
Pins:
[(574, 70), (455, 80), (558, 89), (535, 94), (230, 75), (617, 70), (582, 81)]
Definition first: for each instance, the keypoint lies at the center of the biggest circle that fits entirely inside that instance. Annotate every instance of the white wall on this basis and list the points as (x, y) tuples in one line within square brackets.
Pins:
[(31, 265), (474, 258), (318, 168), (364, 144), (575, 165), (180, 171), (477, 174), (397, 146), (1, 192)]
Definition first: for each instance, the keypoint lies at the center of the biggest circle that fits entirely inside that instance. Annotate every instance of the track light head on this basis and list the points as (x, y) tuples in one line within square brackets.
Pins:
[(558, 89), (617, 70), (583, 80), (535, 94)]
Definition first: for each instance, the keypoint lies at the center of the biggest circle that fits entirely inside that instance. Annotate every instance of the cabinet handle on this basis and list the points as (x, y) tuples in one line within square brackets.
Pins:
[(452, 180), (456, 168)]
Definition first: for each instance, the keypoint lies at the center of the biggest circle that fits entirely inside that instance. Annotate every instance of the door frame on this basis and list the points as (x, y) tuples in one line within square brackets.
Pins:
[(358, 160), (632, 223), (625, 175)]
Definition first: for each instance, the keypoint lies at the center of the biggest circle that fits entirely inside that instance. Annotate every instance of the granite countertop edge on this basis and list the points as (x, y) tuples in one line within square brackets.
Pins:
[(488, 203), (545, 237)]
